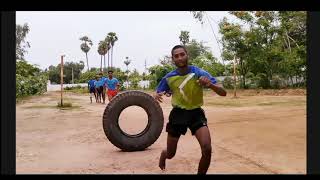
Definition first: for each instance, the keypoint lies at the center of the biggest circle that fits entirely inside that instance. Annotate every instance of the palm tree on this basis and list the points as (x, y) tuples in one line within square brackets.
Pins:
[(104, 48), (109, 47), (127, 62), (107, 40), (85, 47), (184, 37), (112, 38), (100, 51)]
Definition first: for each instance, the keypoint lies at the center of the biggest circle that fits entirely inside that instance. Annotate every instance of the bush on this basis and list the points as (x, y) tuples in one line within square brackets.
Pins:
[(228, 83), (276, 83), (29, 80), (262, 81)]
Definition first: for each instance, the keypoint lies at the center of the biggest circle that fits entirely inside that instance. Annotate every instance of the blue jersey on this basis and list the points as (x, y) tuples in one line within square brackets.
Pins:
[(104, 79), (91, 83), (186, 92), (99, 83), (112, 83)]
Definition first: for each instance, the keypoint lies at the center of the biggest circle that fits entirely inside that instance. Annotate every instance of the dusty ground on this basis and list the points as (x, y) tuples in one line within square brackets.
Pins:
[(259, 134)]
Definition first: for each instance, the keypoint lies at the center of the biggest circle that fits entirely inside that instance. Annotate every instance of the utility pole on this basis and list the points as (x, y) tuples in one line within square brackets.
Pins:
[(61, 79)]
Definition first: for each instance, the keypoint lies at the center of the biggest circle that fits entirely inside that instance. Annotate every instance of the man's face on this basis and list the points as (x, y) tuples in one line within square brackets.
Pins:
[(110, 74), (180, 57)]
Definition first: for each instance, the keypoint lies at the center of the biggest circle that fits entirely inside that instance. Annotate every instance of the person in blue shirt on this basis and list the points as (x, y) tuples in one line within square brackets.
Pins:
[(104, 79), (99, 87), (186, 84), (112, 84), (92, 89)]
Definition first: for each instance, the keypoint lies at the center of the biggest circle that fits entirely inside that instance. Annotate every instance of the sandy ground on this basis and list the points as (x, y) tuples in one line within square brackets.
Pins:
[(250, 135)]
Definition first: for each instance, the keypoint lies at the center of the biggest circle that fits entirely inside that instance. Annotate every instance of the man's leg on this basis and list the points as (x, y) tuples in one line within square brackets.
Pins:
[(98, 95), (104, 94), (169, 152), (204, 139), (109, 95), (95, 95), (91, 97)]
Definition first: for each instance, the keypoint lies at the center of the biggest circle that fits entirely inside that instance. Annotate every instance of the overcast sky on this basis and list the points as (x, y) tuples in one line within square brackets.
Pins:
[(142, 35)]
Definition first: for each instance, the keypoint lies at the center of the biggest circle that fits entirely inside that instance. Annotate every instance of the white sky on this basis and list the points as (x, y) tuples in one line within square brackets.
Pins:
[(142, 35)]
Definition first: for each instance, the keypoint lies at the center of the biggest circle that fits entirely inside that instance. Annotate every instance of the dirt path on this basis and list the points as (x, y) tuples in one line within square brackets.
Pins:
[(265, 135)]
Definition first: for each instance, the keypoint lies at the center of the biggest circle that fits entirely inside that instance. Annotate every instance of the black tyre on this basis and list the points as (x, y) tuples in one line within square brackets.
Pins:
[(139, 141)]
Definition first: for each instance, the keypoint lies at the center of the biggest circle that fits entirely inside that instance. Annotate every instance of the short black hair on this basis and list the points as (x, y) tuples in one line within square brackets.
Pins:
[(177, 47), (110, 71)]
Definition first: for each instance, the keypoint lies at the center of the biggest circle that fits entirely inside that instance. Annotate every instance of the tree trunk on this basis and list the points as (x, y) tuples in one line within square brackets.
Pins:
[(111, 56), (87, 61), (104, 61), (101, 63), (108, 59)]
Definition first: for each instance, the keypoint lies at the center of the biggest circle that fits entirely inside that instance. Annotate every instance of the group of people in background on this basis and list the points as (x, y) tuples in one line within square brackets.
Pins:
[(102, 86)]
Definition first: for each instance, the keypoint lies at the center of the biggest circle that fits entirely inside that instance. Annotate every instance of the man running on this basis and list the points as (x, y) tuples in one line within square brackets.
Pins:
[(112, 84), (186, 84), (104, 79), (92, 89), (99, 88)]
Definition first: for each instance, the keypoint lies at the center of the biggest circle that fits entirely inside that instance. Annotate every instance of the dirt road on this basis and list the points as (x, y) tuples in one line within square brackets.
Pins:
[(252, 134)]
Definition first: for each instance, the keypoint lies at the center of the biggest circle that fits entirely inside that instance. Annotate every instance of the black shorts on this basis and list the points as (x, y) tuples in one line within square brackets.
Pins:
[(180, 120), (99, 90), (92, 90)]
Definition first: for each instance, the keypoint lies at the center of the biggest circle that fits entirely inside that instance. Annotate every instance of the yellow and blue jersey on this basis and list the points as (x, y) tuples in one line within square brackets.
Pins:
[(186, 92)]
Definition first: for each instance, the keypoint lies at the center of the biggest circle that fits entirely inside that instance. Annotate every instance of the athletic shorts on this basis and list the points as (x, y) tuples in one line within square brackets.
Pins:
[(180, 120), (92, 90), (99, 89), (112, 93)]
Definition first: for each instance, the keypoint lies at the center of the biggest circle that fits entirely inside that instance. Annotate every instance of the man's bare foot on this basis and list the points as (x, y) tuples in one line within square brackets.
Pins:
[(162, 160)]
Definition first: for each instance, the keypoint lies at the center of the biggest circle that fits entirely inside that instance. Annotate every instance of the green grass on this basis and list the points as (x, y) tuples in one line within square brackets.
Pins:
[(78, 91), (64, 104)]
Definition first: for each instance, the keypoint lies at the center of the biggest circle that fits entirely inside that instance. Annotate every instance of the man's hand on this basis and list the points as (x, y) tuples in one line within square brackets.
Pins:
[(158, 96), (204, 81)]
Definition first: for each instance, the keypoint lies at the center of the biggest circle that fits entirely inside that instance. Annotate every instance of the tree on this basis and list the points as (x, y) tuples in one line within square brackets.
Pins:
[(157, 72), (127, 62), (21, 43), (166, 60), (135, 78), (30, 79), (112, 38), (272, 44), (184, 37), (104, 49), (85, 47), (236, 45), (293, 38), (100, 51), (196, 49), (54, 72), (209, 63), (198, 15)]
